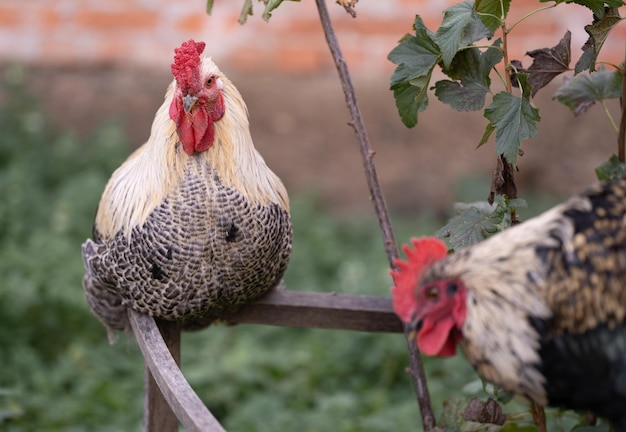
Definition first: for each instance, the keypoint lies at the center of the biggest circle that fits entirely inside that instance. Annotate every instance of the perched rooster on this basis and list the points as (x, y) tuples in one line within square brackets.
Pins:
[(539, 309), (193, 224)]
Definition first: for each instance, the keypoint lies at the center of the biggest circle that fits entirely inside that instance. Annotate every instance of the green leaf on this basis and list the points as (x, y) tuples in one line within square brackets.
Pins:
[(547, 64), (475, 222), (598, 32), (488, 131), (611, 170), (517, 203), (587, 60), (270, 5), (471, 67), (597, 6), (515, 120), (451, 417), (461, 98), (410, 101), (461, 26), (416, 57), (246, 11), (209, 6), (492, 12), (582, 91)]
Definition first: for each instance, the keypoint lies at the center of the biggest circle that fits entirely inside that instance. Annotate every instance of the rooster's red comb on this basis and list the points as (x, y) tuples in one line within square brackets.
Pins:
[(427, 251), (186, 66)]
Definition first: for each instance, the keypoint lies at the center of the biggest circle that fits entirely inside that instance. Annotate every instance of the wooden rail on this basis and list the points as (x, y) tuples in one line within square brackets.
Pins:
[(169, 397)]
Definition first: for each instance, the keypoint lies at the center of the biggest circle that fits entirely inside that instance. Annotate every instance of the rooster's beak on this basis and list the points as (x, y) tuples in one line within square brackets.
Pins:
[(189, 102), (413, 327)]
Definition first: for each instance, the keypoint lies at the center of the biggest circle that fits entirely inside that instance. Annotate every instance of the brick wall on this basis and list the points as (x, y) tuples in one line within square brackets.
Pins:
[(146, 31)]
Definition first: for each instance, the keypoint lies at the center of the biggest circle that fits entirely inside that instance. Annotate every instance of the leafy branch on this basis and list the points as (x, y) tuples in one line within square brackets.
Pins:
[(458, 50)]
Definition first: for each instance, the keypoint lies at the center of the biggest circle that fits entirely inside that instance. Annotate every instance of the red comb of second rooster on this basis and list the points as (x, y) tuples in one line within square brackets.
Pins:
[(186, 66), (427, 251)]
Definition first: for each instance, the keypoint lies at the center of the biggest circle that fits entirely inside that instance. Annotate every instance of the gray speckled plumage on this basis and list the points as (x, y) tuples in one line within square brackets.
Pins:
[(200, 254)]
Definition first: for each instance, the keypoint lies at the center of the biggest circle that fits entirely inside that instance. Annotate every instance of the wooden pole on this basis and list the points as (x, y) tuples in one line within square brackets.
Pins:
[(168, 394), (158, 416)]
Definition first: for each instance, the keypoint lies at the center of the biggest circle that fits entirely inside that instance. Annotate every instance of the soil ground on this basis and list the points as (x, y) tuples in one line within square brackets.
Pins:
[(300, 125)]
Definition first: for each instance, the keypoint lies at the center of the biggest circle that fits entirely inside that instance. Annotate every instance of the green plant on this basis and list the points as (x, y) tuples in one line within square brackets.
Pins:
[(458, 50)]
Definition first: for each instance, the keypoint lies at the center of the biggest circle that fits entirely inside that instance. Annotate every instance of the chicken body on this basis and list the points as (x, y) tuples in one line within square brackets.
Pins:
[(539, 309), (193, 224)]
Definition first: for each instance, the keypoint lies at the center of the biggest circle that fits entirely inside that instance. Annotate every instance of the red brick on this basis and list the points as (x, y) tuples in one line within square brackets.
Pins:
[(191, 23), (49, 18), (305, 59), (250, 58), (302, 26), (105, 20), (373, 26), (10, 17)]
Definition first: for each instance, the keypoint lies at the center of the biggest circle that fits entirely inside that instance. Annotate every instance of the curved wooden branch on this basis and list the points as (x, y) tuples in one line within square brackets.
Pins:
[(183, 401)]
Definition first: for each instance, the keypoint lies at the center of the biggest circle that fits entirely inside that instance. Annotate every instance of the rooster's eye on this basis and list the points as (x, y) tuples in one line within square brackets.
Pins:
[(210, 81), (432, 293)]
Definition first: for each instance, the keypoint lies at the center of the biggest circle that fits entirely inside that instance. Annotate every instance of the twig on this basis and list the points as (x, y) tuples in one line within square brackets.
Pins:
[(503, 179), (621, 137), (539, 416), (391, 248)]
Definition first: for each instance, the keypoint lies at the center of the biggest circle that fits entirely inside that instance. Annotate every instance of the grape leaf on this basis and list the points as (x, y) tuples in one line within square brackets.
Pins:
[(490, 10), (411, 101), (597, 6), (598, 31), (461, 26), (547, 64), (470, 97), (582, 91), (471, 67), (611, 169), (416, 57), (475, 223), (514, 118)]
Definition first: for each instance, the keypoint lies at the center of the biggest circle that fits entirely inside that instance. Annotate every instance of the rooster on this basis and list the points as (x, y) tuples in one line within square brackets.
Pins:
[(194, 224), (538, 309)]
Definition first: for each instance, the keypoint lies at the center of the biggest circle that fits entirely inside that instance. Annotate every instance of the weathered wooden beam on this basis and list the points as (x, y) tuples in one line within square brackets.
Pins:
[(158, 416), (182, 400), (321, 310)]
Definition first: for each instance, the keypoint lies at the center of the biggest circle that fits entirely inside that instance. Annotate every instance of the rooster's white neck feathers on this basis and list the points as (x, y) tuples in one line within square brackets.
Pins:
[(156, 168)]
